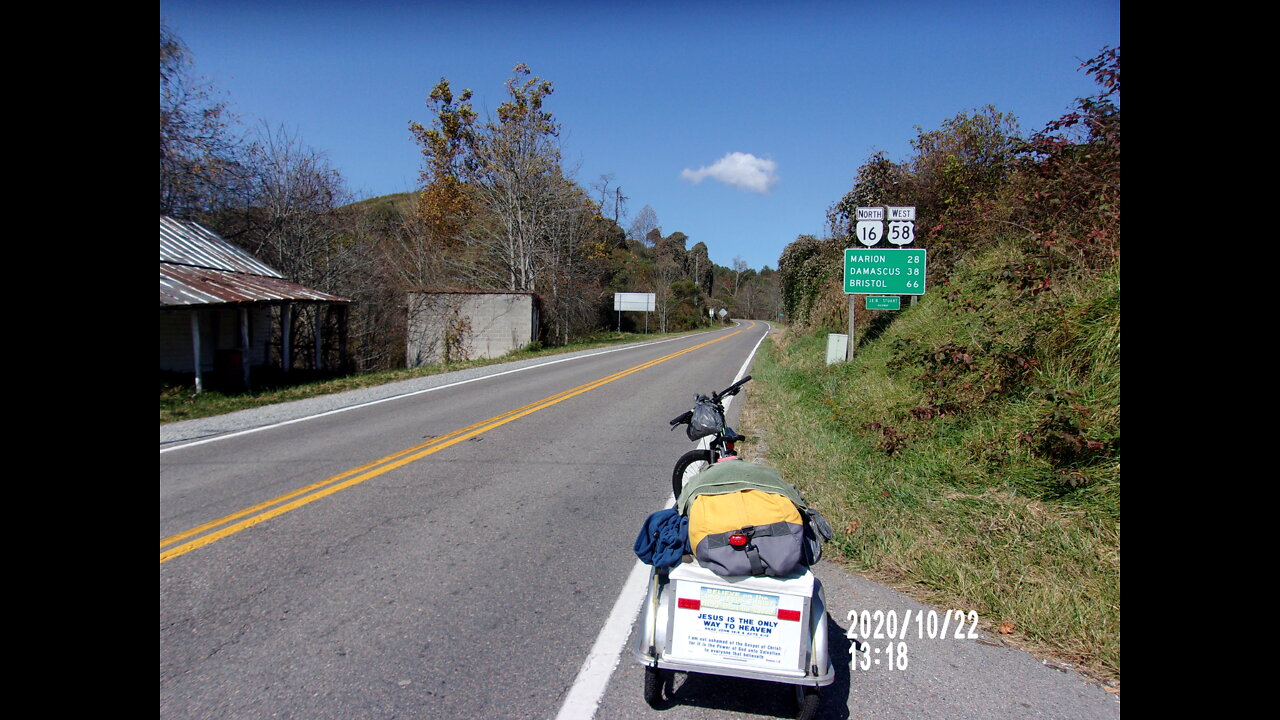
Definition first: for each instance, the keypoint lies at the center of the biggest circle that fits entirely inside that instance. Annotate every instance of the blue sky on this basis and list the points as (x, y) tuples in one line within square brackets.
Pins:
[(738, 122)]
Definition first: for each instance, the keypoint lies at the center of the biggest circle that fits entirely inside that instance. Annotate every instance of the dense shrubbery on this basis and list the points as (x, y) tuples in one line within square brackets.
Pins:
[(1024, 290), (976, 183)]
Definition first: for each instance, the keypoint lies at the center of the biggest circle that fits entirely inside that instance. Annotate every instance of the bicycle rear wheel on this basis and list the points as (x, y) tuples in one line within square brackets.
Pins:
[(689, 464)]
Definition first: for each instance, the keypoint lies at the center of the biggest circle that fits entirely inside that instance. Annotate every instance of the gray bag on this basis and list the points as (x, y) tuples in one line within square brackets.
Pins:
[(706, 420), (816, 532), (774, 550)]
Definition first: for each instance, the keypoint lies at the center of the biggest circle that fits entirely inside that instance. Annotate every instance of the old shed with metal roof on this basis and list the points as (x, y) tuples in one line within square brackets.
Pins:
[(216, 304)]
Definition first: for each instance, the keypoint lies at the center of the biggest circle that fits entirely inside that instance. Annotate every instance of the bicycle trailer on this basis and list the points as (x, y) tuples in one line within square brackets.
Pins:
[(763, 628), (730, 590)]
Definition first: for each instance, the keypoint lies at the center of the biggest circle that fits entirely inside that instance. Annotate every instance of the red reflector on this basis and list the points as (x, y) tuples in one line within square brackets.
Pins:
[(737, 539), (789, 615), (689, 604)]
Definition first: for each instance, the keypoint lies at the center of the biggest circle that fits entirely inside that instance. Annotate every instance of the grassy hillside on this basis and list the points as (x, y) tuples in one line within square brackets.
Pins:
[(401, 202), (971, 451)]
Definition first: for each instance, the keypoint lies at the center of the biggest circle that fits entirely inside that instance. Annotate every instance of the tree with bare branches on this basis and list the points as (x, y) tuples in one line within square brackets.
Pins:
[(199, 147)]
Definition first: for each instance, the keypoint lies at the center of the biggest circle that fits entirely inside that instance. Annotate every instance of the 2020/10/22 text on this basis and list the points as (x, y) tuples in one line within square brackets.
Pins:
[(886, 625)]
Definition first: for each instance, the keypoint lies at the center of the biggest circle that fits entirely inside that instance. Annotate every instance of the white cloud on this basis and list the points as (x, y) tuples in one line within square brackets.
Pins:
[(742, 170)]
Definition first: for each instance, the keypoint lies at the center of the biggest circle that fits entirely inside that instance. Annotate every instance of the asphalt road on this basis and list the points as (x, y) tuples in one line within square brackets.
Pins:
[(451, 547), (469, 582)]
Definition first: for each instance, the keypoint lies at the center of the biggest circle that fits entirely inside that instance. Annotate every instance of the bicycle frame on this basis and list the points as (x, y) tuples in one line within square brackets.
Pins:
[(722, 444)]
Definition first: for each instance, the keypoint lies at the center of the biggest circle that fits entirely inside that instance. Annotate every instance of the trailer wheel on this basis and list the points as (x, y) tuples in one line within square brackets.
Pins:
[(808, 698), (653, 682)]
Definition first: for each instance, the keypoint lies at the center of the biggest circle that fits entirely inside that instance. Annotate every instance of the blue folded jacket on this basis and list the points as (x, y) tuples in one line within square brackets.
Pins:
[(663, 539)]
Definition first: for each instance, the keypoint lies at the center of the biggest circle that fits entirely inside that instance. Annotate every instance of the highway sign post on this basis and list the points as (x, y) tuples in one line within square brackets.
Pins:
[(889, 271)]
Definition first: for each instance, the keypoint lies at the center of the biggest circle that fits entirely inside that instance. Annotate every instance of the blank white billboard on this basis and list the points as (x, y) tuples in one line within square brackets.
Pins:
[(642, 302)]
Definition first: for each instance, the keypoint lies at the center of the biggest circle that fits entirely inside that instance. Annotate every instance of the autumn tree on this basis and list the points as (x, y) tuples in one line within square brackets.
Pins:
[(293, 218), (611, 200), (879, 181), (429, 241), (958, 179), (515, 176), (975, 182), (1070, 190), (669, 268), (701, 269), (808, 269), (498, 205)]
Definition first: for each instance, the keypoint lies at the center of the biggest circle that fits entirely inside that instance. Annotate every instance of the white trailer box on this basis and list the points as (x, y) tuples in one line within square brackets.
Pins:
[(765, 628)]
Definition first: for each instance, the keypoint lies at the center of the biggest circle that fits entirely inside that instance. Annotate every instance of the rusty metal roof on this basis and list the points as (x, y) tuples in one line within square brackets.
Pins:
[(183, 285), (197, 267), (190, 243)]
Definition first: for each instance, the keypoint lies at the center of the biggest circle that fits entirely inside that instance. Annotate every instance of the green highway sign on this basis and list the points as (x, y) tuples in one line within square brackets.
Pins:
[(884, 302), (896, 271)]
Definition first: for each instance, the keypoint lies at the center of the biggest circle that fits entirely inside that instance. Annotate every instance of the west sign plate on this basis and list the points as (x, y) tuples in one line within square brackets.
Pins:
[(884, 272)]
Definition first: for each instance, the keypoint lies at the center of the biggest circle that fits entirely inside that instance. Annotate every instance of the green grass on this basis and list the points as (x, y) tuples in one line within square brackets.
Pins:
[(180, 401), (970, 454)]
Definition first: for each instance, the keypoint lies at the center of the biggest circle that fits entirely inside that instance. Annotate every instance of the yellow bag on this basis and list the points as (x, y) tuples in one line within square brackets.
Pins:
[(749, 532)]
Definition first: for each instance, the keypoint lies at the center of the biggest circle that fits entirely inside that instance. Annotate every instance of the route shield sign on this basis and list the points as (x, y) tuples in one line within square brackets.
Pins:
[(870, 225), (902, 225), (896, 271)]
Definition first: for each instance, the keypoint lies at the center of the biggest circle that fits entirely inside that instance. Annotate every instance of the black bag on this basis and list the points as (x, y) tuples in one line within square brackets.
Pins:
[(706, 420)]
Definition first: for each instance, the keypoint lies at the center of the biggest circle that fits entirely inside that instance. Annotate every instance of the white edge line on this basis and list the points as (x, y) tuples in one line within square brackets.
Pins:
[(593, 676), (583, 698), (238, 433)]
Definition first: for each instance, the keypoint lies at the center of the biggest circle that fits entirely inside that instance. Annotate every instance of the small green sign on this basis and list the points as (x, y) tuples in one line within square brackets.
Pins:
[(894, 271), (884, 302)]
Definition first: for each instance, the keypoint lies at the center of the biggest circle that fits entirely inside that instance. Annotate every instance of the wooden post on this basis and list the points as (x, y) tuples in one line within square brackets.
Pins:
[(195, 348), (244, 346), (343, 319), (319, 361), (319, 326), (286, 333)]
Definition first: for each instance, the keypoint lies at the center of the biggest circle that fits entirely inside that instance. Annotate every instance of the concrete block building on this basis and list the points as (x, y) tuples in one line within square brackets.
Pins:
[(451, 326)]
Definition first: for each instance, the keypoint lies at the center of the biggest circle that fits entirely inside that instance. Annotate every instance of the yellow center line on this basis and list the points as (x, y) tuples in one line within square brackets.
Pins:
[(317, 485), (295, 499)]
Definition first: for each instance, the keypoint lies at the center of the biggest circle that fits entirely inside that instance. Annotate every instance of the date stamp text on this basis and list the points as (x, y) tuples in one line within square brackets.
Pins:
[(880, 637)]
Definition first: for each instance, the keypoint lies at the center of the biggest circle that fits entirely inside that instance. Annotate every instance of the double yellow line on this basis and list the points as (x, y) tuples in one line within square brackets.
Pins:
[(214, 531)]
